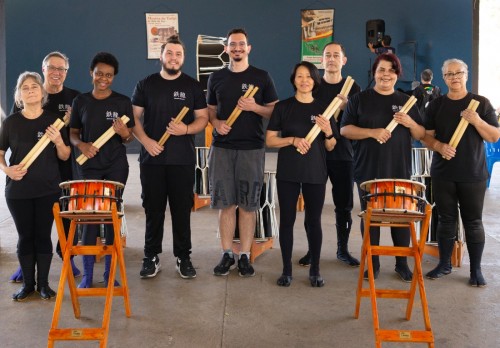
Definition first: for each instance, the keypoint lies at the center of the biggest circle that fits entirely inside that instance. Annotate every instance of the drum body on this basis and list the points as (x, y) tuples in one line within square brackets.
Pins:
[(421, 161), (211, 56), (94, 196), (395, 195), (266, 221), (201, 172)]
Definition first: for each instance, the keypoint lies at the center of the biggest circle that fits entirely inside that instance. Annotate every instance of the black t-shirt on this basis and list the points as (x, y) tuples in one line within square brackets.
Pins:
[(94, 117), (469, 163), (224, 89), (20, 135), (295, 119), (425, 93), (326, 92), (162, 101), (369, 109), (58, 103)]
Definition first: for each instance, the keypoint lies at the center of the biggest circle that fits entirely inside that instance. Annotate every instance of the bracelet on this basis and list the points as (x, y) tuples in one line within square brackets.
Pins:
[(187, 129), (124, 140), (293, 141)]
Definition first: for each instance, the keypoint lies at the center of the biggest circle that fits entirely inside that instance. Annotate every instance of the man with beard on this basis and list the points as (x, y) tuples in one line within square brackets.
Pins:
[(339, 161), (55, 67), (236, 160), (167, 172)]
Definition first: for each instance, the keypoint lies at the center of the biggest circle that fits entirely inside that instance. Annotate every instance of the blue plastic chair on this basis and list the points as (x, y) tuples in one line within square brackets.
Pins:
[(492, 156)]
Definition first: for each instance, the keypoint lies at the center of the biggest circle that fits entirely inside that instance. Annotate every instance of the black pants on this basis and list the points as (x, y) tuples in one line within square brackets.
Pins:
[(33, 218), (172, 183), (90, 232), (470, 197), (400, 235), (314, 199), (341, 177)]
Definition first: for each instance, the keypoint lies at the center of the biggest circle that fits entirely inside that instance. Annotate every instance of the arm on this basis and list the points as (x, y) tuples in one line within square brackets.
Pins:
[(122, 130), (416, 130), (199, 124), (220, 126), (357, 133), (249, 104), (488, 132), (86, 149), (274, 140), (14, 172), (151, 145), (63, 150), (326, 128), (430, 141)]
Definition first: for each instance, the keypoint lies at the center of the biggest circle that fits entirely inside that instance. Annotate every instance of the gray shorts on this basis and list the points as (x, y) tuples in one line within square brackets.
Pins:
[(235, 177)]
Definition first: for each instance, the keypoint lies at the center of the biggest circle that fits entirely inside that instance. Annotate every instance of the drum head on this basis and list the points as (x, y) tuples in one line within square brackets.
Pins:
[(367, 184), (67, 184)]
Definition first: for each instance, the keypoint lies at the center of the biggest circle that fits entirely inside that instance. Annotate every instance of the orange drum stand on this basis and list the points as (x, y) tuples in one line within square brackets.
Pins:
[(116, 251), (395, 219)]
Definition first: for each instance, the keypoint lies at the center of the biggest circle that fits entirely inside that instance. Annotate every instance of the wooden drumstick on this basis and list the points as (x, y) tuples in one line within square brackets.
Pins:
[(101, 140), (177, 120), (345, 92), (328, 113), (235, 110), (405, 109), (39, 146), (239, 111), (462, 125)]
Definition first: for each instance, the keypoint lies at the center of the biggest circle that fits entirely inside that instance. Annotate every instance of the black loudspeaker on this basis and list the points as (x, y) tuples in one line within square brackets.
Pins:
[(375, 31)]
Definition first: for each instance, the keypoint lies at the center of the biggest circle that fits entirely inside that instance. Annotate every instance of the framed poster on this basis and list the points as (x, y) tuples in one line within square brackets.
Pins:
[(159, 27), (317, 30)]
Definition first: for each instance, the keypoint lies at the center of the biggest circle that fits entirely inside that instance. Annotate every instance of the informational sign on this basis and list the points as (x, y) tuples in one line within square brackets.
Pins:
[(317, 31), (159, 27)]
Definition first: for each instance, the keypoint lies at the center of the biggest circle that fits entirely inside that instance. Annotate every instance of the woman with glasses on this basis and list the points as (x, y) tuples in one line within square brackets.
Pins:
[(31, 192), (459, 174), (379, 153), (92, 114)]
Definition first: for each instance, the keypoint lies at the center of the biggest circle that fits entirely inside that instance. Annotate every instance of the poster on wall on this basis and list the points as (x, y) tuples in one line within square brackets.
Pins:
[(159, 27), (317, 30)]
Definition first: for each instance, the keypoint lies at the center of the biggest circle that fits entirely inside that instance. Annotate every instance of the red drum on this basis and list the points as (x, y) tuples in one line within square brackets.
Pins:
[(395, 195), (95, 196)]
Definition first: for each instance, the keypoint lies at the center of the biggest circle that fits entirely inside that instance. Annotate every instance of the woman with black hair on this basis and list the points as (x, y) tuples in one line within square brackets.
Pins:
[(291, 121), (378, 153), (92, 114)]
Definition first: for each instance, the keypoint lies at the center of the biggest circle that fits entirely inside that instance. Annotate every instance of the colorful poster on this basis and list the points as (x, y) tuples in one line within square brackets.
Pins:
[(317, 30), (159, 27)]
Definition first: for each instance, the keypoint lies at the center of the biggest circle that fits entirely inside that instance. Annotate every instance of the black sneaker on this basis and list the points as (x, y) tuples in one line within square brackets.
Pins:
[(244, 267), (226, 264), (150, 267), (306, 260), (185, 268)]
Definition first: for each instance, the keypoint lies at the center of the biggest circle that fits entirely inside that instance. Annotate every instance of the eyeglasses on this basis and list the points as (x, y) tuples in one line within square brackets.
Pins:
[(458, 75), (101, 74), (54, 69)]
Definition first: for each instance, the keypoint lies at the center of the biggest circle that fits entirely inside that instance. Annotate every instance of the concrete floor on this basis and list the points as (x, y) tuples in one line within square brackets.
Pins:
[(231, 311)]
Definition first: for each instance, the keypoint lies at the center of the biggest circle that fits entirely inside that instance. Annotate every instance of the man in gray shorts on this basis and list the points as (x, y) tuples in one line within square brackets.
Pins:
[(237, 154)]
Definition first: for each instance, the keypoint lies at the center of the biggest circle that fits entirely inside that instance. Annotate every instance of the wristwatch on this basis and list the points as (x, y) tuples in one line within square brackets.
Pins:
[(328, 137)]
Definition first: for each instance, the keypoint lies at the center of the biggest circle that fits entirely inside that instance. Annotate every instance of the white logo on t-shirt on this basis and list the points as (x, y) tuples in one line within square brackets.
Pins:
[(180, 95)]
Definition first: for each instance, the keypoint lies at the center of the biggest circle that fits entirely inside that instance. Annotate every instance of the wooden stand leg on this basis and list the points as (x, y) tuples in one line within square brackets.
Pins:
[(415, 250), (116, 251)]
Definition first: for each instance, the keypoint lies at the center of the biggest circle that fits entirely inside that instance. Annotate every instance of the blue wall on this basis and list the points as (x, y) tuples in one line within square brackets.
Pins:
[(81, 28)]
